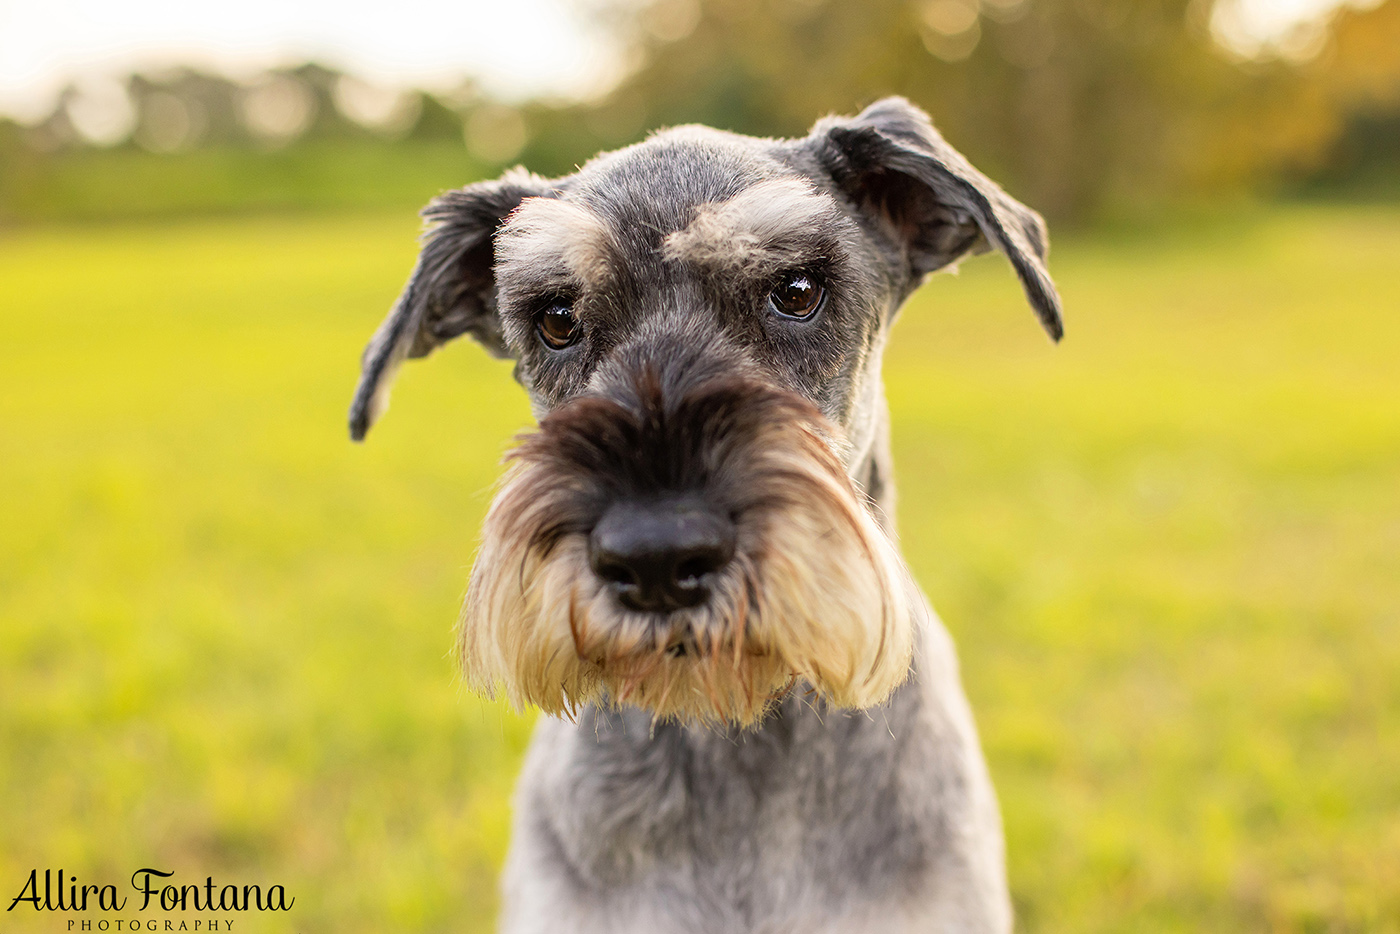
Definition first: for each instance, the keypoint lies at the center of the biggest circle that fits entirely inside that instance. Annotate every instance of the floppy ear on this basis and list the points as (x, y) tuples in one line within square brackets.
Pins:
[(451, 291), (895, 166)]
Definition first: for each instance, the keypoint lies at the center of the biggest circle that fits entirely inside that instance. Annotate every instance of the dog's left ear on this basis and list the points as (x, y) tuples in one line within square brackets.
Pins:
[(894, 165), (451, 291)]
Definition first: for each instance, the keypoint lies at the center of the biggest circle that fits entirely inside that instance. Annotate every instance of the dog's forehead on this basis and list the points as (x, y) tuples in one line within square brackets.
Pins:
[(657, 184), (692, 195)]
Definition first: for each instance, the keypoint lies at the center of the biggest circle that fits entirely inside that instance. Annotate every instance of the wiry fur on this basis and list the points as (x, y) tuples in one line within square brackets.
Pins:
[(793, 754), (550, 235), (815, 595), (764, 227)]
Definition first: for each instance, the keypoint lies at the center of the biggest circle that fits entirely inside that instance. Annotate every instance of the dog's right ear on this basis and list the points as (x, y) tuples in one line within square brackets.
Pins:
[(451, 291)]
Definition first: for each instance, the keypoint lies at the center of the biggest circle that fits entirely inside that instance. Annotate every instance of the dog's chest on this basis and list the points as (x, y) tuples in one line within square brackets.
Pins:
[(814, 815)]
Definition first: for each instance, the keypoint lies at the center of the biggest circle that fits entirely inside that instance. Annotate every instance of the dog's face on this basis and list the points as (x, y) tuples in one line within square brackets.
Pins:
[(698, 320)]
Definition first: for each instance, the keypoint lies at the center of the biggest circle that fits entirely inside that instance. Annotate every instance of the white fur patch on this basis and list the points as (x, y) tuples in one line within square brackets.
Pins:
[(548, 232), (757, 225)]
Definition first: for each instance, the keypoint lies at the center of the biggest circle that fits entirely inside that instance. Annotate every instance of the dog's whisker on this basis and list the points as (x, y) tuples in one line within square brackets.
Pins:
[(573, 623), (668, 681)]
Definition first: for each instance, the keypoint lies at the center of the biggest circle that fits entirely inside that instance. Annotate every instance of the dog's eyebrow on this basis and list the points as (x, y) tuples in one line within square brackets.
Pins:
[(767, 224), (544, 234)]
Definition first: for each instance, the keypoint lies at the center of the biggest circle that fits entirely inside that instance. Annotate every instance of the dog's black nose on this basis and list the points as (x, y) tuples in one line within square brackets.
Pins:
[(656, 554)]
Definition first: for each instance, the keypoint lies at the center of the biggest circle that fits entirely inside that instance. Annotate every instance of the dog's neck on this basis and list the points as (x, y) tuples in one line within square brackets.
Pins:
[(872, 464), (811, 793)]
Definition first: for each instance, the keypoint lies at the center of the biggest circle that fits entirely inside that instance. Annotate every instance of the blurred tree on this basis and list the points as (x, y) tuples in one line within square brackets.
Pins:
[(187, 141), (1085, 109), (184, 109), (1359, 70), (1081, 107), (1362, 59)]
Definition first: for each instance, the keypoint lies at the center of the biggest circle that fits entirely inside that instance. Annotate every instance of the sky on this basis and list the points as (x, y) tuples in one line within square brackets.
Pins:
[(516, 48)]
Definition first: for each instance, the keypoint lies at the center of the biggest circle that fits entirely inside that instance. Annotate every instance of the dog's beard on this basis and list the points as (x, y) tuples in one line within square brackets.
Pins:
[(815, 597)]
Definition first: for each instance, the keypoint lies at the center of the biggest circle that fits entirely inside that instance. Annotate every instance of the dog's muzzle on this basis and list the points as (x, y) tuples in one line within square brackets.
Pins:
[(690, 544)]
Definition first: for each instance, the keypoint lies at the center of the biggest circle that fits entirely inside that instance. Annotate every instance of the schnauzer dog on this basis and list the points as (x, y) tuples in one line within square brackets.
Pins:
[(755, 721)]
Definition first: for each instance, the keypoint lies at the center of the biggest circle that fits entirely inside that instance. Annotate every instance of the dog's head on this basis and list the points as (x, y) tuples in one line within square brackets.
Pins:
[(698, 320)]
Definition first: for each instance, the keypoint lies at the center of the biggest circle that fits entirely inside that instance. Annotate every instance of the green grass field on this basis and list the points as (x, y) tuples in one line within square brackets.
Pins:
[(1169, 550)]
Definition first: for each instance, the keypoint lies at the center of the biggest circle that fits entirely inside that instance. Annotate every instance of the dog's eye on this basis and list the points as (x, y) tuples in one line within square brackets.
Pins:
[(797, 295), (557, 325)]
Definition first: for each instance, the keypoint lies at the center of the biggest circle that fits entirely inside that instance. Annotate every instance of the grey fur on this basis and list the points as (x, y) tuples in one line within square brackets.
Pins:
[(819, 819)]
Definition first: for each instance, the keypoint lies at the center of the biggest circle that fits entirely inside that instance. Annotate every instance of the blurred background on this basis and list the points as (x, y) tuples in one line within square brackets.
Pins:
[(1169, 548), (1092, 110)]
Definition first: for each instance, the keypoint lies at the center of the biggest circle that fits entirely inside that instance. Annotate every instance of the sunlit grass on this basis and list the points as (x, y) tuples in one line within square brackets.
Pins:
[(1169, 550)]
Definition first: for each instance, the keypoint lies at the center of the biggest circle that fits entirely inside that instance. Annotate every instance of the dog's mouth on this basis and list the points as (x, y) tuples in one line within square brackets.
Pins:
[(681, 663), (679, 642), (696, 636)]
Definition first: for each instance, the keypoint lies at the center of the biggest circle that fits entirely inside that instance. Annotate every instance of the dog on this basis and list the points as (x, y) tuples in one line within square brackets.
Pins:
[(754, 718)]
